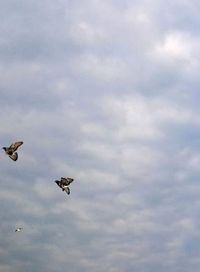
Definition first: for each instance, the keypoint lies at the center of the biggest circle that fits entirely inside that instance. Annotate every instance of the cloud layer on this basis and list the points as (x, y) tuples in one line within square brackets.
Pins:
[(105, 92)]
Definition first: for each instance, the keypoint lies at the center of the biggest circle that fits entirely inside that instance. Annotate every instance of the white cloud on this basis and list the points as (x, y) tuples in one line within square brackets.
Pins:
[(179, 49), (139, 162), (100, 68), (86, 33), (136, 117), (175, 46), (105, 92)]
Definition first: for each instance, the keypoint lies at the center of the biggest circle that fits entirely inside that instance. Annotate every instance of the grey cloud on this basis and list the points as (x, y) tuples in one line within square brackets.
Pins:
[(105, 92)]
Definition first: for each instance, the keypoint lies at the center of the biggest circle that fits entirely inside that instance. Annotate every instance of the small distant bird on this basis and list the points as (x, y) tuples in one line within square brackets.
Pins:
[(18, 229), (11, 150), (64, 183)]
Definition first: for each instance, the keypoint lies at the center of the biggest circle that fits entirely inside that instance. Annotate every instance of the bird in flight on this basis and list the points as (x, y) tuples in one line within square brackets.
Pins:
[(18, 229), (63, 183), (11, 150)]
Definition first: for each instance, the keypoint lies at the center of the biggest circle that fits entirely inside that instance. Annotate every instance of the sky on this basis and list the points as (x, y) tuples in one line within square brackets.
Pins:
[(106, 92)]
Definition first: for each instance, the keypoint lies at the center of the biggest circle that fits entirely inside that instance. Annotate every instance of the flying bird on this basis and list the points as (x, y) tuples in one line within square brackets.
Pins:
[(64, 183), (18, 229), (11, 150)]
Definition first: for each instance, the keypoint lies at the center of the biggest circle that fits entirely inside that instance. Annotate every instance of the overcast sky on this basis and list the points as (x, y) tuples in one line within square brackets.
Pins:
[(106, 92)]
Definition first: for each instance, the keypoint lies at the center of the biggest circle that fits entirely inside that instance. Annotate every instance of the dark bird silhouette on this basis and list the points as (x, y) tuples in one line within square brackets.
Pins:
[(18, 229), (11, 150), (64, 183)]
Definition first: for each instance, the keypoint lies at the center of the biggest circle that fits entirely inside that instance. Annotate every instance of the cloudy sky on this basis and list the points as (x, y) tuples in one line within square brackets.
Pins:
[(106, 92)]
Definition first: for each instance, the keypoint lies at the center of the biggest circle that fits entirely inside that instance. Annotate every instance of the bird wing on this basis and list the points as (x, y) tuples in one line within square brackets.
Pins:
[(14, 156), (67, 190), (66, 181), (15, 146), (59, 183)]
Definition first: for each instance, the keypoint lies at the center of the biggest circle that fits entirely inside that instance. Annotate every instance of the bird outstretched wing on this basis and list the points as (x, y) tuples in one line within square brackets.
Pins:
[(67, 190), (14, 146), (59, 183), (66, 181)]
